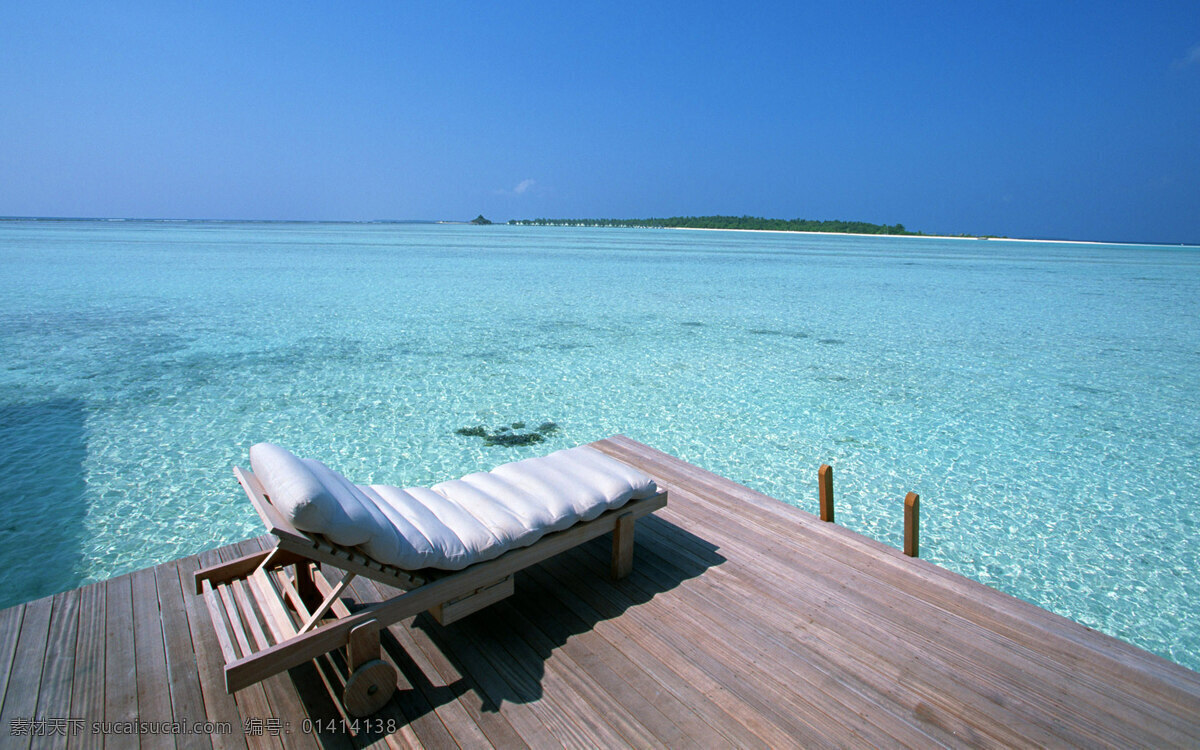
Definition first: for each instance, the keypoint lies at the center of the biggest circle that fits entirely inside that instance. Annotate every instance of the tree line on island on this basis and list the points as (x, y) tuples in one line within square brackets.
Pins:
[(728, 222)]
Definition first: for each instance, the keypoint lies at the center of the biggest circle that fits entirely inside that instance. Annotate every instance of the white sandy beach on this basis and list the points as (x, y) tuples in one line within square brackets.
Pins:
[(925, 237)]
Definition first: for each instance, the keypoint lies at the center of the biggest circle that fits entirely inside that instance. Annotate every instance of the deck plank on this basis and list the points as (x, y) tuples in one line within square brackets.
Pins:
[(54, 692), (120, 664), (744, 623), (182, 680), (150, 660), (219, 706), (10, 631), (25, 677), (87, 684)]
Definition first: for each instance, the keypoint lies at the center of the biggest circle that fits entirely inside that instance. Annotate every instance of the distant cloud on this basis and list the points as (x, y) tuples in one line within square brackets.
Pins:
[(1191, 58), (524, 186)]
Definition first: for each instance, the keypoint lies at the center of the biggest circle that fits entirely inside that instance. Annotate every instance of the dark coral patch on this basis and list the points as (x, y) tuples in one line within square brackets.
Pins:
[(509, 435), (513, 438)]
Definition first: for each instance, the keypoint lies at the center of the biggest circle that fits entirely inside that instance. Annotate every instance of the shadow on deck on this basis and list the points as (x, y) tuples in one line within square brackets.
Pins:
[(500, 654)]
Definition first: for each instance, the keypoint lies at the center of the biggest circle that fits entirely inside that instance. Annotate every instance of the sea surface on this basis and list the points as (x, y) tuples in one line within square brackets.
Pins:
[(1042, 398)]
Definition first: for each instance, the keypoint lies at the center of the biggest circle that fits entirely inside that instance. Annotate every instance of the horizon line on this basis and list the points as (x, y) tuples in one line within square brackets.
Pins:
[(972, 237)]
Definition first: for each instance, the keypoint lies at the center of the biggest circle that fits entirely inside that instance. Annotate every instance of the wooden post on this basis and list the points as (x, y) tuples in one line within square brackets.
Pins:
[(622, 551), (825, 486), (912, 518)]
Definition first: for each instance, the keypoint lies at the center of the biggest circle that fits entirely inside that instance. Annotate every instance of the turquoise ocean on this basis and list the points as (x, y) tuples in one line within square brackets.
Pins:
[(1043, 398)]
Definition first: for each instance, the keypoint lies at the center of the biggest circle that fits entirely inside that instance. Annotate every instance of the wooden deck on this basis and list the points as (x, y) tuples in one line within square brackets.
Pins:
[(746, 623)]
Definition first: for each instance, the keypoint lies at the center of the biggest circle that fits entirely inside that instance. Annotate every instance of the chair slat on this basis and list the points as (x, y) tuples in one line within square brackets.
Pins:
[(235, 621), (242, 597), (284, 585), (269, 601), (216, 611)]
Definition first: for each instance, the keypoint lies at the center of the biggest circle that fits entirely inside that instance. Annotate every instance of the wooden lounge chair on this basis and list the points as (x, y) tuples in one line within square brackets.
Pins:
[(276, 609)]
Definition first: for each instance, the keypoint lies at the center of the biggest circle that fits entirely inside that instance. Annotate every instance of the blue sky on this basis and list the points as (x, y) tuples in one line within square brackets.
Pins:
[(1041, 119)]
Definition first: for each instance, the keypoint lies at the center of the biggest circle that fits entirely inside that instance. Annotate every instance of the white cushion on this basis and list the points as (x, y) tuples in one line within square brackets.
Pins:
[(455, 523), (312, 496)]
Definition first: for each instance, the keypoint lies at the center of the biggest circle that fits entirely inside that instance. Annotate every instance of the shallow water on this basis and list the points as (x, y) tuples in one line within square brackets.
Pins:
[(1040, 397)]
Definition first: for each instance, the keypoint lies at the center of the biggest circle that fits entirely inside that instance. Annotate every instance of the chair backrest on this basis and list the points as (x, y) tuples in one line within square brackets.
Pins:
[(270, 515)]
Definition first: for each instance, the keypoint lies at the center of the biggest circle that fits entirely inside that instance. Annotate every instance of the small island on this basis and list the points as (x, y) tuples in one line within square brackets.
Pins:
[(481, 221), (729, 222)]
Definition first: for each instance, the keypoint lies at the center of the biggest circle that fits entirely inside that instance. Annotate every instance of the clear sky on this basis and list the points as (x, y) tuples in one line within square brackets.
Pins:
[(1033, 119)]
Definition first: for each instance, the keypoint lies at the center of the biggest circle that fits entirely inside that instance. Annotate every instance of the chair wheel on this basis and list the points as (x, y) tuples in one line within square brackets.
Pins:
[(369, 688)]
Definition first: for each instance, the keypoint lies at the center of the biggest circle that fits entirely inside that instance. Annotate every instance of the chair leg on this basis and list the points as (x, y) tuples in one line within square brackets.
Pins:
[(622, 554), (328, 602), (362, 645), (305, 585), (372, 681)]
